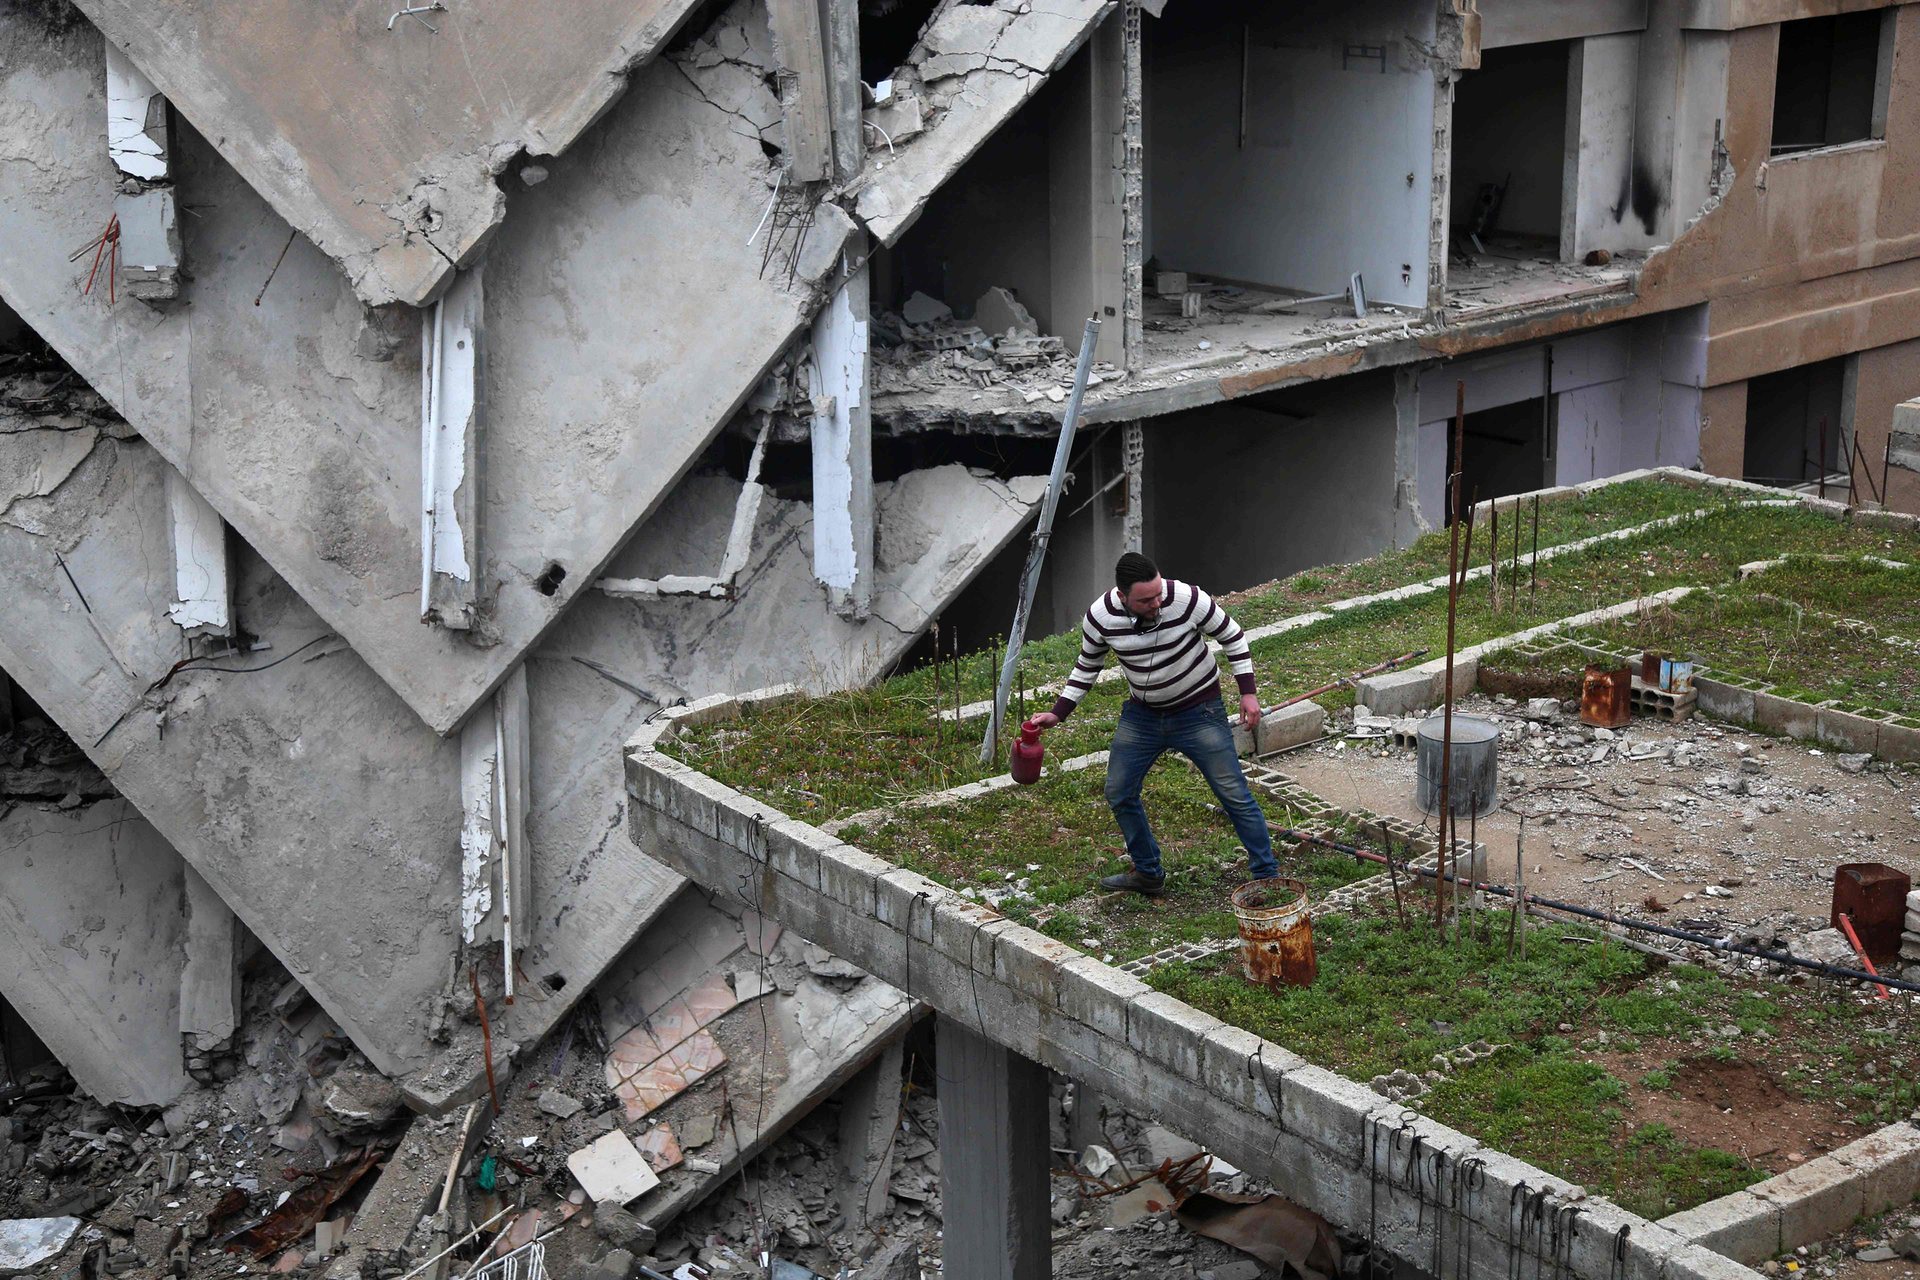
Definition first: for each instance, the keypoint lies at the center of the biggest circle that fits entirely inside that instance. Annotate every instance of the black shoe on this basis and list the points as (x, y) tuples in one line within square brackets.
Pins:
[(1134, 882)]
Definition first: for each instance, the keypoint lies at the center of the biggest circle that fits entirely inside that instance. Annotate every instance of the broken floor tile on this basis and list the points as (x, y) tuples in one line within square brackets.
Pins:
[(660, 1148), (662, 1080), (612, 1168), (698, 1131), (709, 998), (761, 933)]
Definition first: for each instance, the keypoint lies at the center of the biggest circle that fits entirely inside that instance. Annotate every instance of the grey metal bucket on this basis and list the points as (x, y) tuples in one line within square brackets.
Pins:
[(1476, 765)]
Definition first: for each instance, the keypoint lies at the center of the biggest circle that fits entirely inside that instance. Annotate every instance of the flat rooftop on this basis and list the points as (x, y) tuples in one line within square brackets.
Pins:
[(1620, 1045)]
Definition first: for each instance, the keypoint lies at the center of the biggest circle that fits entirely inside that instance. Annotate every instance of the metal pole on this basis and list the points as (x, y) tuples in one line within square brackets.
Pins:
[(1533, 568), (1037, 550), (1453, 600)]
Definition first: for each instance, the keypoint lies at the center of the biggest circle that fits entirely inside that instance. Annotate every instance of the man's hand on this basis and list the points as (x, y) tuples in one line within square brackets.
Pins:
[(1249, 711), (1044, 720)]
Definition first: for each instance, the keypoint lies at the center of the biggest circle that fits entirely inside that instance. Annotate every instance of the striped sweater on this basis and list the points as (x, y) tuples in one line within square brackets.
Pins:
[(1168, 664)]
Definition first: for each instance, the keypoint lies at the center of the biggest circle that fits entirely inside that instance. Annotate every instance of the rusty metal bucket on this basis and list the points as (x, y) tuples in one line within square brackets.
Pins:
[(1276, 933), (1606, 696), (1874, 896)]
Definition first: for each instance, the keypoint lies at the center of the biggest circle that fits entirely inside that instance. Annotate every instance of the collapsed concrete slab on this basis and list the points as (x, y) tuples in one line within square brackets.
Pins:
[(289, 406), (973, 67), (398, 187), (93, 934), (292, 409), (353, 881)]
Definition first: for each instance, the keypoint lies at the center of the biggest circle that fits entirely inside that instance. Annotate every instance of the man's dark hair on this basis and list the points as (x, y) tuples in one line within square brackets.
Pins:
[(1131, 568)]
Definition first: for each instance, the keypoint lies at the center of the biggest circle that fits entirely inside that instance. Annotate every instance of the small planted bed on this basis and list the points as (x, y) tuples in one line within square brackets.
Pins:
[(1658, 1085)]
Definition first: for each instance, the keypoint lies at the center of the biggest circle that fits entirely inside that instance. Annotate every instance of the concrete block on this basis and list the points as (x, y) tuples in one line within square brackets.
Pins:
[(696, 800), (1169, 1031), (1331, 1111), (741, 821), (1816, 1199), (1099, 995), (1399, 693), (794, 849), (1845, 730), (1029, 962), (905, 900), (1783, 715), (1723, 701), (651, 780), (708, 710), (1741, 1226), (958, 929), (849, 876), (1887, 1165), (1239, 1066), (1287, 727), (1696, 1262), (1898, 742)]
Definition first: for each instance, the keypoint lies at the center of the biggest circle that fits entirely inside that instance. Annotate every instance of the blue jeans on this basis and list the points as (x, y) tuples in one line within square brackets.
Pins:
[(1202, 735)]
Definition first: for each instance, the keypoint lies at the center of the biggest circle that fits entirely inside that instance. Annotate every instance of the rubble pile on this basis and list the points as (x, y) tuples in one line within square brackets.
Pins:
[(925, 347), (40, 763), (280, 1138)]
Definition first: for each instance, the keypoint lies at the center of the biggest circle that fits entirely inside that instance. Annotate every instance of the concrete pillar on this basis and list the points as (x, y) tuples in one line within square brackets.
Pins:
[(843, 449), (842, 22), (453, 372), (1085, 183), (202, 587), (1596, 192), (869, 1123), (800, 51), (210, 980), (993, 1160), (139, 145)]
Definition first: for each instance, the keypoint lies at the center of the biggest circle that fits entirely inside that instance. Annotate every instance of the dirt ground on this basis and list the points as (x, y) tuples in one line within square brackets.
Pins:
[(1713, 823), (1731, 1106)]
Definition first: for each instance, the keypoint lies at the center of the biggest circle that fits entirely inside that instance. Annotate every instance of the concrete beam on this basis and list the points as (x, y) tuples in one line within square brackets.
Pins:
[(994, 1160), (91, 945), (399, 190), (202, 586), (843, 449), (844, 87)]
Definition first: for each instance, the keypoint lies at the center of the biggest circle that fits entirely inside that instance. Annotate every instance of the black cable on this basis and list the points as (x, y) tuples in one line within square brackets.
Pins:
[(186, 664)]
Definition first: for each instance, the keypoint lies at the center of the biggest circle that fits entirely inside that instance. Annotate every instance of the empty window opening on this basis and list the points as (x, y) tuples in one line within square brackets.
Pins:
[(1795, 424), (1830, 85), (1509, 153), (1506, 452)]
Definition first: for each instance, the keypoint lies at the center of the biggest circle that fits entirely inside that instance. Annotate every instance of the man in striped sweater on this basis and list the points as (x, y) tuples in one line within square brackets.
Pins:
[(1157, 629)]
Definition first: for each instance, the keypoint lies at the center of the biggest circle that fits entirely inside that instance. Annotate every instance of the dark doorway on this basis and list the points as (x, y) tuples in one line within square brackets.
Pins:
[(1794, 423), (1506, 452), (1509, 146), (1826, 83)]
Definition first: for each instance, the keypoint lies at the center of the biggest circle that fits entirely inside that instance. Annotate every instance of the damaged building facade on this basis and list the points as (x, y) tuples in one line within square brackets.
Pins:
[(400, 408)]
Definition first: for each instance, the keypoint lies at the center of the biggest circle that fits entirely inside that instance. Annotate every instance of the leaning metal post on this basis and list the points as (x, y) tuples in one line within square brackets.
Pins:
[(1037, 550)]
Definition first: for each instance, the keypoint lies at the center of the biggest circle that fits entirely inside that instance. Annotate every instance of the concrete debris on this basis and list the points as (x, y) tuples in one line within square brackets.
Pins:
[(998, 311), (28, 1242), (1000, 345), (922, 310), (614, 1224), (612, 1169), (357, 1099)]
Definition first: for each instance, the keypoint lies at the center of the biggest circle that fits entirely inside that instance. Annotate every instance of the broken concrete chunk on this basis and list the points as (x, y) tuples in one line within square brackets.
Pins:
[(822, 963), (1853, 762), (559, 1105), (698, 1131), (897, 120), (966, 28), (612, 1223), (612, 1168), (998, 311), (534, 174), (920, 309), (358, 1098), (27, 1242), (948, 65)]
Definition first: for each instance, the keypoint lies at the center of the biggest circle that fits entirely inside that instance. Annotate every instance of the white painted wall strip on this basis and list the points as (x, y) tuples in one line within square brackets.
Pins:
[(202, 586)]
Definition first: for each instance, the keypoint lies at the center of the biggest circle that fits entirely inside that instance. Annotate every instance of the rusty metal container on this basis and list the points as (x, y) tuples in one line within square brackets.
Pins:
[(1650, 668), (1476, 765), (1606, 696), (1874, 896), (1276, 933)]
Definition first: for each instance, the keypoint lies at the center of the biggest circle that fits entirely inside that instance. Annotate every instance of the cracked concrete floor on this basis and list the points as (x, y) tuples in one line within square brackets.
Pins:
[(1770, 849)]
